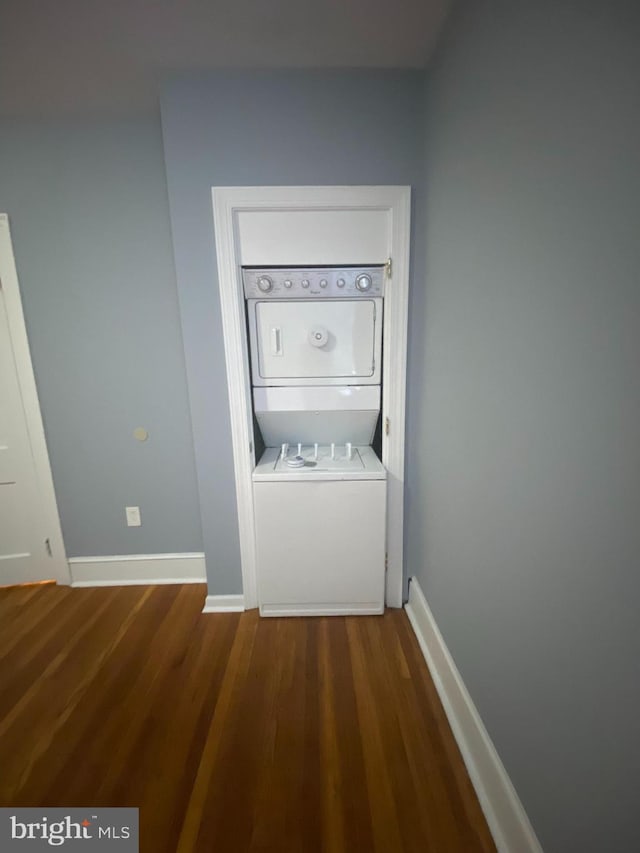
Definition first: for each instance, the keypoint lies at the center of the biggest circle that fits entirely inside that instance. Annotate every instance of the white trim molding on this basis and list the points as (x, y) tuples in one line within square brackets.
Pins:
[(394, 381), (137, 569), (223, 604), (230, 203), (238, 384), (505, 814), (57, 567)]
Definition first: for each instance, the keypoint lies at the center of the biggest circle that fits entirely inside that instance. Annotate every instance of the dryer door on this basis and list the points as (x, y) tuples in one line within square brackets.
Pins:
[(316, 341)]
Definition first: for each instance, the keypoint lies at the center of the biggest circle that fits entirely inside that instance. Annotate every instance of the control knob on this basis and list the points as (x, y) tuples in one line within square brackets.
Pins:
[(305, 282), (363, 282), (265, 284)]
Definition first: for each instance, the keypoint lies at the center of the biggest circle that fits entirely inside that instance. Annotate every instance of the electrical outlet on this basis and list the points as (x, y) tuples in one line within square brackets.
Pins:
[(133, 516)]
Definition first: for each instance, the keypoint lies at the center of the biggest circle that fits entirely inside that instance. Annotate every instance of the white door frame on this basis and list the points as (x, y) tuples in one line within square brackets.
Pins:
[(58, 568), (228, 202)]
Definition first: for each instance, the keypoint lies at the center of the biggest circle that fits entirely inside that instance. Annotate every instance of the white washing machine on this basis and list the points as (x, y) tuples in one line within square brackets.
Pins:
[(319, 489)]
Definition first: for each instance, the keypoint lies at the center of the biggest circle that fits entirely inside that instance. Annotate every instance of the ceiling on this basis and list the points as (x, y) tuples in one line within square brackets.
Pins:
[(78, 56)]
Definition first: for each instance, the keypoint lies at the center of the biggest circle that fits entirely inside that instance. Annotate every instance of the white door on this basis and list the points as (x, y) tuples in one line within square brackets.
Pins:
[(317, 340), (28, 536)]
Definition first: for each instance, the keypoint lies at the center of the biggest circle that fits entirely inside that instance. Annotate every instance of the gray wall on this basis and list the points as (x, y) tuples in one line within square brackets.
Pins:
[(89, 217), (280, 128), (525, 528)]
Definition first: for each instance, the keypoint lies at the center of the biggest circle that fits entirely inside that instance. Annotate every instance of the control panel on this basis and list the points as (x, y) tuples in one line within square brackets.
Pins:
[(315, 282)]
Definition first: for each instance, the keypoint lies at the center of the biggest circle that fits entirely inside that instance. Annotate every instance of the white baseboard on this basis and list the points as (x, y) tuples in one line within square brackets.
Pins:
[(223, 604), (136, 569), (506, 817)]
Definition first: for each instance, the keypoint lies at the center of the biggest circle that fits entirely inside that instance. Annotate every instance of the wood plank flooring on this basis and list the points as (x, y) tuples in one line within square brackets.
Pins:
[(231, 733)]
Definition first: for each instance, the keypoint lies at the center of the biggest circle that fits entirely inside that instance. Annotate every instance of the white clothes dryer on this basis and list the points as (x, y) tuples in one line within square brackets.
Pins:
[(315, 326)]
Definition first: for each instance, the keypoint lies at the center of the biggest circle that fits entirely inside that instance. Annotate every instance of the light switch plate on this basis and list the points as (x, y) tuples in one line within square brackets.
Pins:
[(133, 516)]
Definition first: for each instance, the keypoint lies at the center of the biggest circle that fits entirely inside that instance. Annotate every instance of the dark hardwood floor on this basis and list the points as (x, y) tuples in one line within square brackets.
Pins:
[(229, 732)]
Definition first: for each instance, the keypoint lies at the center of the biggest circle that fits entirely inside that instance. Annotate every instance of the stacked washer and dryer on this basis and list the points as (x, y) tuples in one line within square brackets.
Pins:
[(315, 340)]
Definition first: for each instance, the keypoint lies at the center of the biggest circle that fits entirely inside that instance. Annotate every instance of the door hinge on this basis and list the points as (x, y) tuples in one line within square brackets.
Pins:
[(388, 267), (250, 447), (386, 562), (47, 545), (387, 426)]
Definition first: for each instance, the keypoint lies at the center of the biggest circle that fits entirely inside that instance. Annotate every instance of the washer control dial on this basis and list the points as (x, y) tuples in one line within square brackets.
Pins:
[(323, 282), (341, 282), (288, 283), (363, 282), (265, 283), (305, 282)]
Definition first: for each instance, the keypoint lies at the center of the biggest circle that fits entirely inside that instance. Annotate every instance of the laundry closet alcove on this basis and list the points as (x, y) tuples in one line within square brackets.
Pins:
[(317, 250)]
